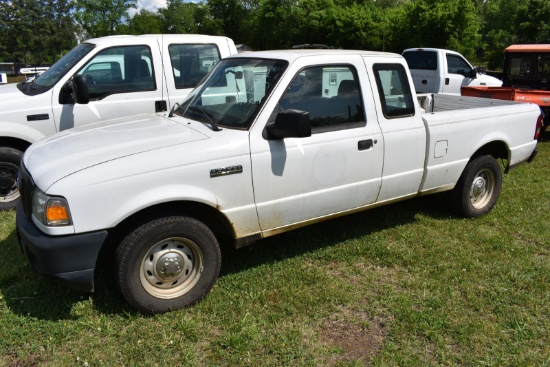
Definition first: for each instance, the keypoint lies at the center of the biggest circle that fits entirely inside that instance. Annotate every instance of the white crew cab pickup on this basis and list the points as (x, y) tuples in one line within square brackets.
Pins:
[(440, 71), (268, 142), (101, 78)]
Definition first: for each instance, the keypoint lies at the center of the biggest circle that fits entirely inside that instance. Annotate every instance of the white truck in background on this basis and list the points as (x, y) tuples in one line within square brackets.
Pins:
[(268, 142), (441, 71), (101, 79)]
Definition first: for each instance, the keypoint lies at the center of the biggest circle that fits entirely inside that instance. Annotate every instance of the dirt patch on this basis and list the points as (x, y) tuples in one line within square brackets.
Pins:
[(356, 341), (12, 360)]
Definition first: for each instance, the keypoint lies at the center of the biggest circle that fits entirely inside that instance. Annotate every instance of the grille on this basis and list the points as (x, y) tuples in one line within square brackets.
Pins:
[(26, 186)]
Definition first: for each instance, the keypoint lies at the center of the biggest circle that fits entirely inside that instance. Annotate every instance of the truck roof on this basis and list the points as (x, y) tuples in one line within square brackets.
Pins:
[(430, 49), (291, 55), (130, 39), (528, 48)]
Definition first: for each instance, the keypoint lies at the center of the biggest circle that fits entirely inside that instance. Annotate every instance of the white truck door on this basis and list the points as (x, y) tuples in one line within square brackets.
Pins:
[(403, 130), (456, 74), (338, 167), (122, 81)]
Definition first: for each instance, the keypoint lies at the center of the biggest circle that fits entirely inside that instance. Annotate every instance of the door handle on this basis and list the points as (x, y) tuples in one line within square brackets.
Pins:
[(446, 81), (365, 144)]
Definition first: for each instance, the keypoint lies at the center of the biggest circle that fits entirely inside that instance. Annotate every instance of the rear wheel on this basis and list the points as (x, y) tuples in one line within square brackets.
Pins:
[(478, 189), (167, 263), (10, 159)]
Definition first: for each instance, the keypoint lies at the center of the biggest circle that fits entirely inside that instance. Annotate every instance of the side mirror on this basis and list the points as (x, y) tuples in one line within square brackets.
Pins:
[(289, 124), (80, 90), (75, 91), (472, 73)]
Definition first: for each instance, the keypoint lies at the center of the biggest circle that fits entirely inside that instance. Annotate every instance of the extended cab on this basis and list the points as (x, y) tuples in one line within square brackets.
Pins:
[(435, 70), (101, 78), (269, 142)]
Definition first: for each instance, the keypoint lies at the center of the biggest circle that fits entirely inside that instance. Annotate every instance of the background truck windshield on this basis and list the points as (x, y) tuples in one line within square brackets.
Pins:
[(60, 68)]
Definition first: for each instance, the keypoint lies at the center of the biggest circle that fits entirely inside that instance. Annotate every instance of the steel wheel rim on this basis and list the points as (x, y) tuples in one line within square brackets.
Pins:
[(482, 188), (171, 267), (8, 182)]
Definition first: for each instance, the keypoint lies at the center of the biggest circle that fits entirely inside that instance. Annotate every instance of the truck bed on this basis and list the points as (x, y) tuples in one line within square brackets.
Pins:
[(444, 102)]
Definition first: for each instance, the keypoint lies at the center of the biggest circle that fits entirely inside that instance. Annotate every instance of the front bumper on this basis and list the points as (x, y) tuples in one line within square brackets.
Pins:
[(69, 259)]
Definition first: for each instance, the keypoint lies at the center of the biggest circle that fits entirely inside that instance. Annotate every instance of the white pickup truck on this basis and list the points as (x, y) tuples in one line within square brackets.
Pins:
[(269, 142), (440, 71), (101, 78)]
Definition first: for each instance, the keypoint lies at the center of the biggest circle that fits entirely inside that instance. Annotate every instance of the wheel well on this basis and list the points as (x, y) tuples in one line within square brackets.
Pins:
[(211, 217), (208, 215), (15, 143), (497, 149)]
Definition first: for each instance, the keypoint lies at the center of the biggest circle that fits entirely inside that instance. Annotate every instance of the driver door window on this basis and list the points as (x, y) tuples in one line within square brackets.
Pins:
[(119, 70), (457, 65), (330, 94)]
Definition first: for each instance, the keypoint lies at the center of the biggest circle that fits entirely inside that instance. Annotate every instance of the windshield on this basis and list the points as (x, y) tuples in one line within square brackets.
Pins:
[(233, 93), (51, 76)]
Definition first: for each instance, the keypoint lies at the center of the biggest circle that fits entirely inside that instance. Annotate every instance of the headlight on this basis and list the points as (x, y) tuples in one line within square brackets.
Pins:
[(50, 210)]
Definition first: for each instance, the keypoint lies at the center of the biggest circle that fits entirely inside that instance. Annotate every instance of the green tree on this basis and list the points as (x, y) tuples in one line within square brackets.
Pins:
[(36, 31), (236, 18), (58, 33), (357, 26), (102, 17), (16, 29), (145, 22), (452, 24), (533, 22), (182, 17)]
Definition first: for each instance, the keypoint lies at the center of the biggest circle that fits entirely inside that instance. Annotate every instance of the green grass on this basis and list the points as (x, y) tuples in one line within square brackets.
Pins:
[(404, 285)]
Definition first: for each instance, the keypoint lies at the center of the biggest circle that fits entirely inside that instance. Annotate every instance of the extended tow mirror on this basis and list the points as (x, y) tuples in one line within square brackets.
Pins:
[(80, 90), (289, 124), (472, 74)]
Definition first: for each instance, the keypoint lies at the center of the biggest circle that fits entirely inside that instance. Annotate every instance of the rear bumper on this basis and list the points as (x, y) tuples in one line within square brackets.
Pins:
[(69, 259)]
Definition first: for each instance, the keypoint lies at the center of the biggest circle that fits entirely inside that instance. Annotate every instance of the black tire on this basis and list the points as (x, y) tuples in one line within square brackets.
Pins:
[(478, 189), (10, 159), (191, 261)]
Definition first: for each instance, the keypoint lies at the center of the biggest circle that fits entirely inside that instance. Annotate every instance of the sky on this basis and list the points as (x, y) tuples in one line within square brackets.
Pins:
[(151, 5)]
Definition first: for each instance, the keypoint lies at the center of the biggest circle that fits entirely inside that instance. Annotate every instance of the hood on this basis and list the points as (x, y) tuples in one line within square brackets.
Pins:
[(10, 97), (488, 80), (73, 150)]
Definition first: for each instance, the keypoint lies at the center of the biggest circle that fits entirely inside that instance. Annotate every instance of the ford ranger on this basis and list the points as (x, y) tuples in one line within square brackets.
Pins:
[(268, 142)]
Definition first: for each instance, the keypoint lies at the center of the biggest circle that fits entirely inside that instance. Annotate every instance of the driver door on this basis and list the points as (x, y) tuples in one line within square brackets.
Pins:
[(338, 167), (121, 81)]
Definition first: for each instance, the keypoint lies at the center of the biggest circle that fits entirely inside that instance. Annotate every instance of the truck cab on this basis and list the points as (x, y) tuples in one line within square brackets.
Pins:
[(101, 79), (444, 71)]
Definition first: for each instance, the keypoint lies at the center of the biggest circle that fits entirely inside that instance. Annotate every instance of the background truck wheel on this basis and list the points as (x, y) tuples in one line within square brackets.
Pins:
[(9, 168), (166, 264), (478, 189)]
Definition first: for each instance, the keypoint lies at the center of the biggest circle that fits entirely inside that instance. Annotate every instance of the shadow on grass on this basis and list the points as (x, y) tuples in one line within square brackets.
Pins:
[(332, 232), (29, 294)]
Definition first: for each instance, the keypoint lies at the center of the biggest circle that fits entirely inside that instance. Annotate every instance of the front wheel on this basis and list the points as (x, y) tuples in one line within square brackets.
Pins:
[(9, 168), (167, 263), (478, 189)]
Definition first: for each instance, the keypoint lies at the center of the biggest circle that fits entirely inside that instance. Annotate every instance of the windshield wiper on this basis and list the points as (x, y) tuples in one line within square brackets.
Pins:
[(207, 115), (176, 105)]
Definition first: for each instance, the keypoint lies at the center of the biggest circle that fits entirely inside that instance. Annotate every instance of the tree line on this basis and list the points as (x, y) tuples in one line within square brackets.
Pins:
[(39, 32)]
